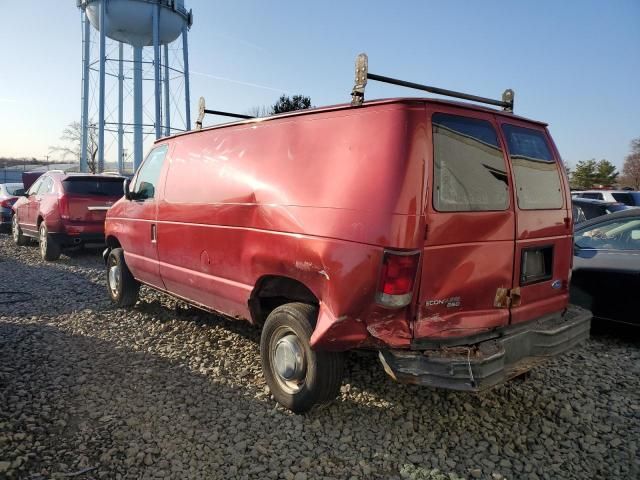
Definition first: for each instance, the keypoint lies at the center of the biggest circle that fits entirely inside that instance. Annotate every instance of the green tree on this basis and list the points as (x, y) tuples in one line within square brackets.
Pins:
[(631, 167), (583, 176), (289, 104), (606, 174), (589, 174)]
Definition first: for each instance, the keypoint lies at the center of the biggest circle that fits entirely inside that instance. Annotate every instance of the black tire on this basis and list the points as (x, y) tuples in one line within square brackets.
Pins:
[(16, 232), (122, 287), (49, 248), (315, 377)]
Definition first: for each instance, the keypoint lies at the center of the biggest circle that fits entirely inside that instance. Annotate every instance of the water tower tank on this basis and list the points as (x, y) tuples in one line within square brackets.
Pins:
[(140, 24), (131, 21)]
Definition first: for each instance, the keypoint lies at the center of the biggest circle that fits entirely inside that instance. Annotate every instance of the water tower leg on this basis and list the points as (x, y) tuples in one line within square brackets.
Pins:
[(167, 93), (84, 121), (137, 107), (156, 65), (101, 87), (185, 53), (120, 110)]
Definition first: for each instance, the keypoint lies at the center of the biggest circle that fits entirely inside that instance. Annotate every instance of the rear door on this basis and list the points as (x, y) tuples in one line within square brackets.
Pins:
[(467, 265), (544, 235)]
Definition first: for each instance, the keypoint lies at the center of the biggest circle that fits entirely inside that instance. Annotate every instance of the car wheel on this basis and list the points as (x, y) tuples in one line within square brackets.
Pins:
[(298, 376), (16, 232), (49, 248), (122, 287)]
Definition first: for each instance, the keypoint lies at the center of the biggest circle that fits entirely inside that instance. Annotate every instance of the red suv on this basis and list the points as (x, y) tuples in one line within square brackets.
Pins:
[(434, 232), (64, 209)]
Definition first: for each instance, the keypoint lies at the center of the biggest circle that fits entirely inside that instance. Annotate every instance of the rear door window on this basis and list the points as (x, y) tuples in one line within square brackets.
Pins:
[(106, 187), (46, 186), (535, 170), (469, 168)]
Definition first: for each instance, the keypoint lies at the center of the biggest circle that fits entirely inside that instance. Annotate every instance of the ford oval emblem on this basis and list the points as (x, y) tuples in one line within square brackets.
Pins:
[(556, 284)]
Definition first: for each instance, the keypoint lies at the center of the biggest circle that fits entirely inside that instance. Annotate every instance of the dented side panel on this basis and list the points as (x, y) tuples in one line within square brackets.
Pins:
[(312, 198)]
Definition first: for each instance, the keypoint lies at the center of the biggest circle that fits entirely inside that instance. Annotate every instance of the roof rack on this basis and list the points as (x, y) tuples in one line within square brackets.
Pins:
[(362, 74), (202, 110)]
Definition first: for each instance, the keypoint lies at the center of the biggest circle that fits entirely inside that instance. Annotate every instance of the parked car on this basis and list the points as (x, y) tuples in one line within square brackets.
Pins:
[(9, 193), (586, 208), (64, 209), (628, 197), (387, 226), (606, 266)]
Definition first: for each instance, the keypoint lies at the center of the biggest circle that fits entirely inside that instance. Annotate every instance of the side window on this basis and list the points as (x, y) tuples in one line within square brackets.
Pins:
[(536, 173), (623, 234), (592, 195), (147, 177), (33, 189), (46, 186), (469, 168)]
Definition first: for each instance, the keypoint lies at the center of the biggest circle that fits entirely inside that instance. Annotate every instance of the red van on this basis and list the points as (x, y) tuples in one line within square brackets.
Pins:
[(434, 232)]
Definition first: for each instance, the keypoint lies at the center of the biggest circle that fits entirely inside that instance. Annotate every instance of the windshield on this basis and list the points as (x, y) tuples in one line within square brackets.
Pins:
[(14, 189), (108, 187), (621, 234)]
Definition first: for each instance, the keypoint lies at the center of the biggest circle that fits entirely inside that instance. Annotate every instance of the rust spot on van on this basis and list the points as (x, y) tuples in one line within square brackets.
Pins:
[(502, 298)]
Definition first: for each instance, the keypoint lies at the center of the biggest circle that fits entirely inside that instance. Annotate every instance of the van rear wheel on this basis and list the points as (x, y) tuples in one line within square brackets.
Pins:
[(298, 376), (122, 287)]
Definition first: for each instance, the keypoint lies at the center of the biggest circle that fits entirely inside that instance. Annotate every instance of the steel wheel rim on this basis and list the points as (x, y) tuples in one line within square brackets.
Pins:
[(113, 279), (15, 232), (43, 240), (288, 360)]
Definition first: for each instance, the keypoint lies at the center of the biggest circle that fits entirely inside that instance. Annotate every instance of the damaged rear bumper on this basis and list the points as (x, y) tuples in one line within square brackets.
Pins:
[(482, 365)]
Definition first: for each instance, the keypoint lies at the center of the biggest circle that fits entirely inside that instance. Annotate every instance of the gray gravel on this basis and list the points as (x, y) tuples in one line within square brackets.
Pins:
[(167, 391)]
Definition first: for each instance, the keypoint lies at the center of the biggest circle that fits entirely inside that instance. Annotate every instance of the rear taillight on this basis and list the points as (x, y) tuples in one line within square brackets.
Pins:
[(397, 278), (63, 206)]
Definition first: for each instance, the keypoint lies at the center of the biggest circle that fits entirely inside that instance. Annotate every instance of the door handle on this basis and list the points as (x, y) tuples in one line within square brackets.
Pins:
[(154, 233)]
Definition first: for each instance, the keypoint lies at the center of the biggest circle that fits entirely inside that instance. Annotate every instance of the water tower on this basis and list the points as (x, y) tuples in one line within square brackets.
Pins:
[(115, 113)]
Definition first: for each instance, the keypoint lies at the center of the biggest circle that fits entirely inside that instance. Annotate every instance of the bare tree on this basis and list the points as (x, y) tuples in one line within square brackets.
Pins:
[(260, 111), (631, 167), (72, 136)]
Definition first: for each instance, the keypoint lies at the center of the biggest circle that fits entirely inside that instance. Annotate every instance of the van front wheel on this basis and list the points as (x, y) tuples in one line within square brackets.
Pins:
[(298, 376), (123, 288)]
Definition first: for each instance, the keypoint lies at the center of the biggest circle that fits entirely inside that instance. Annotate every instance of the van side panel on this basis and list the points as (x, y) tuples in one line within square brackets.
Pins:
[(310, 198)]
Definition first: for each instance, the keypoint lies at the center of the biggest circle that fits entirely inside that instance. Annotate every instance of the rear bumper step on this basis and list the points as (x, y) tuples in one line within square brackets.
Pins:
[(480, 366)]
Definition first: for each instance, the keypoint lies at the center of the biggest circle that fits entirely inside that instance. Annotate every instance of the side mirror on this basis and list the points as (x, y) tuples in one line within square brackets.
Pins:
[(125, 186)]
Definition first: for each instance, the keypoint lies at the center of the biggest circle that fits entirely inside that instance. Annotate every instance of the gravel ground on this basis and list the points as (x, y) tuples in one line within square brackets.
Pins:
[(167, 391)]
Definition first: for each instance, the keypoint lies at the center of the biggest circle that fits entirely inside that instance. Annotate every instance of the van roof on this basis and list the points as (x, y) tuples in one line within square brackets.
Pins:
[(370, 103)]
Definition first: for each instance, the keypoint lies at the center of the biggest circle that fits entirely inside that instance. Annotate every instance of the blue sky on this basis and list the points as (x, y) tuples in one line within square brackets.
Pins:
[(573, 64)]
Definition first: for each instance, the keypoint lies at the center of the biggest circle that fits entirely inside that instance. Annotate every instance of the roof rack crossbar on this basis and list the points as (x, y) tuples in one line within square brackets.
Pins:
[(202, 110), (362, 74), (227, 114)]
